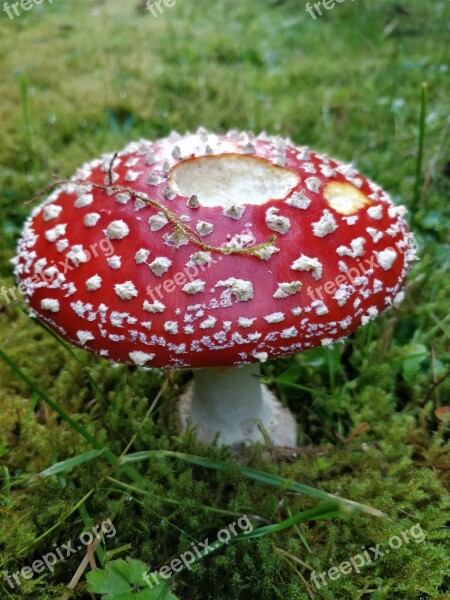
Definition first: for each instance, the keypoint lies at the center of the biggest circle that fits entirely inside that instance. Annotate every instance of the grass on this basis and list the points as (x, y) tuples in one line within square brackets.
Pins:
[(82, 440)]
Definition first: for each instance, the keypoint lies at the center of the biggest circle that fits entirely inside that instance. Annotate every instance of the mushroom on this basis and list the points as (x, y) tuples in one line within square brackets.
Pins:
[(216, 253)]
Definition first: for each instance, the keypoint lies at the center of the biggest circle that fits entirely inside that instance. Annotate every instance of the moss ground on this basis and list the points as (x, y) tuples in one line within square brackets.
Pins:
[(79, 78)]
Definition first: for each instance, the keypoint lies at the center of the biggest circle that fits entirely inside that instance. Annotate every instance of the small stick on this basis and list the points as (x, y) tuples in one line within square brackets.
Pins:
[(187, 231), (110, 170), (84, 563)]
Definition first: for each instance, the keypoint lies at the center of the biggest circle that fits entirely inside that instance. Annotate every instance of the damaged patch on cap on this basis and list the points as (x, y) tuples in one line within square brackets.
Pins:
[(344, 198), (225, 180)]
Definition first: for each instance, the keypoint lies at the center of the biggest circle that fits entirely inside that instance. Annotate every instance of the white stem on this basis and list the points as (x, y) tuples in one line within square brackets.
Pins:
[(232, 402), (227, 397)]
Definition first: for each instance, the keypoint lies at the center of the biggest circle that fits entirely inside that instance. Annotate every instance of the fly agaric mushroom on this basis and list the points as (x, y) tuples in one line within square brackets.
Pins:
[(214, 251)]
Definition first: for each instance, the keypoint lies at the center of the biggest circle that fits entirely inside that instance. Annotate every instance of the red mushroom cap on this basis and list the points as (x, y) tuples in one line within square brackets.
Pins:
[(164, 254)]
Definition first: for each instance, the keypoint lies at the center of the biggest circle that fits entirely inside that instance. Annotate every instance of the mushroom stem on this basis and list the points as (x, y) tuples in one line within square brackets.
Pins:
[(233, 402)]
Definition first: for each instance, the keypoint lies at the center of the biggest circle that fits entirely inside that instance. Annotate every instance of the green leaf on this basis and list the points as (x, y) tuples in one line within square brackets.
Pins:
[(110, 581), (413, 355), (124, 580)]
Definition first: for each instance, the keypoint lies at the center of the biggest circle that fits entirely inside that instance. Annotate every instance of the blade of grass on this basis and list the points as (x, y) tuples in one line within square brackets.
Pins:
[(369, 330), (331, 368), (29, 414), (70, 463), (116, 551), (8, 595), (107, 453), (53, 405), (294, 558), (289, 559), (147, 415), (52, 528), (420, 146), (296, 386), (146, 493), (6, 476), (328, 510), (256, 475), (28, 131), (66, 347), (300, 533), (133, 488), (88, 523)]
